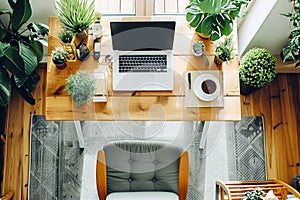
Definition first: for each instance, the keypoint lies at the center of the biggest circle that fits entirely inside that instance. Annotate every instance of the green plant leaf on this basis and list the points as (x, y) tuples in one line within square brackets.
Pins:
[(189, 17), (215, 36), (13, 61), (12, 4), (5, 88), (21, 13), (4, 11), (39, 28), (3, 46), (195, 21), (30, 58), (206, 27), (211, 6), (38, 49)]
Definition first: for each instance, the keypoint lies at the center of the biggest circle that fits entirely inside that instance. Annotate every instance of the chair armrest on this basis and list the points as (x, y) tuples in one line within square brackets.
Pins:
[(101, 175), (8, 196), (183, 176)]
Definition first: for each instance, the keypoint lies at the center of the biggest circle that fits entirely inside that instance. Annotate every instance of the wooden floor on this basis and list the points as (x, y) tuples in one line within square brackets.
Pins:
[(278, 103)]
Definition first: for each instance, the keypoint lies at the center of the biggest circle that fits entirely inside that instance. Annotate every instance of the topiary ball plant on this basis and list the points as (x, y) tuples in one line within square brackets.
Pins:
[(81, 86), (257, 67)]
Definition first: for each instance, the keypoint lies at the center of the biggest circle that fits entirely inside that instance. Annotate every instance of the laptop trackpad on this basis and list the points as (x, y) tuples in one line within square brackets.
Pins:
[(143, 82)]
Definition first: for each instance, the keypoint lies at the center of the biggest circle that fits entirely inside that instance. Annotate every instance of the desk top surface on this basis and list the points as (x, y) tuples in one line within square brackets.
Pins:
[(142, 105)]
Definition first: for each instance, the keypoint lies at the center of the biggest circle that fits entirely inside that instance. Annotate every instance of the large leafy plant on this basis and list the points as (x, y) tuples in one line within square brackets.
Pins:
[(21, 49), (214, 17), (257, 67)]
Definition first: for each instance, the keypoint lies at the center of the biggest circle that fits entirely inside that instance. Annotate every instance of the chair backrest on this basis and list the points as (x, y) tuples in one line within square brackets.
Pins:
[(235, 190), (132, 166)]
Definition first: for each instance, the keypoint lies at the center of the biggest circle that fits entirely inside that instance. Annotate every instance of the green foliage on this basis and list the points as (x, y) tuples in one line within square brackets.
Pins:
[(214, 17), (59, 55), (97, 17), (65, 36), (254, 195), (292, 50), (225, 49), (257, 67), (75, 15), (81, 86), (21, 49)]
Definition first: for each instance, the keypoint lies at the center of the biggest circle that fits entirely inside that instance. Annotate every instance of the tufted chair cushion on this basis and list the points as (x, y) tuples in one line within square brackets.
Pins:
[(133, 166)]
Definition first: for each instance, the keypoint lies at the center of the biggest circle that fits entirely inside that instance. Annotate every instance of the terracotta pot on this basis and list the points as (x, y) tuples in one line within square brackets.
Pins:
[(218, 62), (82, 35), (201, 35), (246, 89)]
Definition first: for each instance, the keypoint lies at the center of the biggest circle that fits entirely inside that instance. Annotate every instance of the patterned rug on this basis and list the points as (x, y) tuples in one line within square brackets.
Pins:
[(60, 169)]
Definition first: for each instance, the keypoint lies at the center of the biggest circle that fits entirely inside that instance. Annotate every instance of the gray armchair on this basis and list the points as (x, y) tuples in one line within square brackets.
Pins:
[(142, 170)]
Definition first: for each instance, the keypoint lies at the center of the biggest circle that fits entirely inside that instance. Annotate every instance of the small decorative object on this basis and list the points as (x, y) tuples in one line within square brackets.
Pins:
[(59, 57), (292, 50), (254, 195), (81, 86), (76, 15), (67, 38), (257, 69), (271, 196), (224, 51), (83, 52), (97, 17), (198, 48), (214, 18)]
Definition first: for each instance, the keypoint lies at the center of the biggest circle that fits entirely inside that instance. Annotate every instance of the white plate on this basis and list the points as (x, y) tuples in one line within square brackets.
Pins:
[(198, 87)]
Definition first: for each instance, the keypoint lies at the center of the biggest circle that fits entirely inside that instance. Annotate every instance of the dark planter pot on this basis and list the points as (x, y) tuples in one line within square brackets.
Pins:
[(246, 89)]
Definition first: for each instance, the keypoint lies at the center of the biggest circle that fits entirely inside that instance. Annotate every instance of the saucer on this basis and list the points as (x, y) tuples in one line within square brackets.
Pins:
[(206, 87)]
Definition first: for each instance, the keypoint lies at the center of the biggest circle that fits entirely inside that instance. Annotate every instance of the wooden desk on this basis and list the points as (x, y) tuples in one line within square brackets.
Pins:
[(141, 105)]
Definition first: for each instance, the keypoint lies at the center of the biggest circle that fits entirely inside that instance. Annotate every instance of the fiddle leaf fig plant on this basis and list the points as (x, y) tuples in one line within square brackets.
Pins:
[(21, 49), (214, 17)]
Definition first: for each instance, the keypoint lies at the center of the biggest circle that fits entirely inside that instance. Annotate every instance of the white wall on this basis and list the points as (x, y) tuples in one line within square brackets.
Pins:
[(265, 27)]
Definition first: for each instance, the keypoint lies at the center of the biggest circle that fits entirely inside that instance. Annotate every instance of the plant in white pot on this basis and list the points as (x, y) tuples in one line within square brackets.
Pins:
[(257, 69), (76, 15), (81, 86)]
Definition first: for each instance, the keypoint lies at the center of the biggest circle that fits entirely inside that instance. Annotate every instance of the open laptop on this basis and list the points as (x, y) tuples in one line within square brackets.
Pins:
[(142, 55)]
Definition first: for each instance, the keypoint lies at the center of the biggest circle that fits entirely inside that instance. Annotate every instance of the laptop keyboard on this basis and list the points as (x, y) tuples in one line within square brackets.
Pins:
[(142, 63)]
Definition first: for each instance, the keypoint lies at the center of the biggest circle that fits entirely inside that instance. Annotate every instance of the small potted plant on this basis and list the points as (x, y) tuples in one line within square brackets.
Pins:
[(67, 38), (224, 51), (291, 52), (97, 17), (76, 16), (254, 195), (81, 86), (257, 69), (59, 57)]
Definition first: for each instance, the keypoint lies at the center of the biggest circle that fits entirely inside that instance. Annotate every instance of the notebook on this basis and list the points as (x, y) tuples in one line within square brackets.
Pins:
[(142, 55)]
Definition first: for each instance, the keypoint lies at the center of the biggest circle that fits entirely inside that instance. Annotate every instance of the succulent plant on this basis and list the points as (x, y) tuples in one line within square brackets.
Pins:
[(198, 48), (59, 55), (65, 36), (257, 67), (81, 86)]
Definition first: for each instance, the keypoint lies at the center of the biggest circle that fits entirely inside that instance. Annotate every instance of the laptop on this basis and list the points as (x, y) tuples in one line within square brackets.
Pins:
[(142, 55)]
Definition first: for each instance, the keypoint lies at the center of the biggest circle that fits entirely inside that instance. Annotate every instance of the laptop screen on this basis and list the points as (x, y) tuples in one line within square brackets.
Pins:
[(142, 36)]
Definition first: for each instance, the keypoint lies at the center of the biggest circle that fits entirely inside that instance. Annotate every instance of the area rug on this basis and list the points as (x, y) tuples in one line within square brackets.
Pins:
[(60, 169)]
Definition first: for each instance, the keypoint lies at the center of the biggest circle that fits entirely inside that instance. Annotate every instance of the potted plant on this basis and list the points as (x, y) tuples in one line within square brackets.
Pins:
[(76, 15), (224, 51), (59, 57), (214, 18), (254, 195), (97, 17), (21, 49), (257, 69), (81, 86), (67, 38), (292, 50)]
